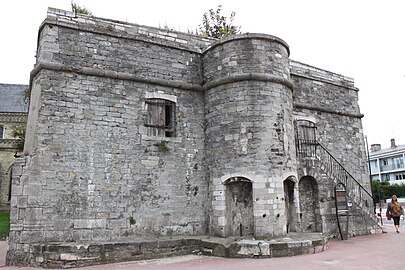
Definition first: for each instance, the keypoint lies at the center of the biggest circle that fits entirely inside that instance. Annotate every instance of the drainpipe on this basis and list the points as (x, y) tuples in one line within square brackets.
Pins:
[(369, 172)]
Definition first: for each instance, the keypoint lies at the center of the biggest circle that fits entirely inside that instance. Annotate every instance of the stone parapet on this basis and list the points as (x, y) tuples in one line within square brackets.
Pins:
[(114, 28), (92, 46), (247, 54), (313, 73)]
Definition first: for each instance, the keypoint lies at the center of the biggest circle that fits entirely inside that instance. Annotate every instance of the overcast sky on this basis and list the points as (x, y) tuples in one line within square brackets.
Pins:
[(364, 40)]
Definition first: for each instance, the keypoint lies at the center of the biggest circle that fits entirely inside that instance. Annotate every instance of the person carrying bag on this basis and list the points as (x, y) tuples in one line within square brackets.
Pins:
[(394, 211)]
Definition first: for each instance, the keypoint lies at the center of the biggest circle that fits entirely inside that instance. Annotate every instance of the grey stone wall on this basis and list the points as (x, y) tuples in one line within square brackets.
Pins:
[(331, 101), (94, 173), (107, 171)]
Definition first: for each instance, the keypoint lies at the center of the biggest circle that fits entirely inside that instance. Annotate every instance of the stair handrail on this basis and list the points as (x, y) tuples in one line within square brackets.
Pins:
[(348, 173), (310, 148)]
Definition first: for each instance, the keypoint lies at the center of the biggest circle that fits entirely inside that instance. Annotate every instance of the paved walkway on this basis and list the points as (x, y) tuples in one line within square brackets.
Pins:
[(381, 251)]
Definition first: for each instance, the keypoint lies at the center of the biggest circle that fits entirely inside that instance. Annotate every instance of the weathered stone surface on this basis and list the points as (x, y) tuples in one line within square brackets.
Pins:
[(70, 255), (224, 163)]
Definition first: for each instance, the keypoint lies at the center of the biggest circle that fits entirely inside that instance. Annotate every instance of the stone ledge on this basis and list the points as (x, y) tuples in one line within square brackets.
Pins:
[(68, 255)]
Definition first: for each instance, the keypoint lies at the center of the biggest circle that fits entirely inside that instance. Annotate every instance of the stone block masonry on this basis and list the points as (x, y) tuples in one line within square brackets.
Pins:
[(136, 132), (71, 255)]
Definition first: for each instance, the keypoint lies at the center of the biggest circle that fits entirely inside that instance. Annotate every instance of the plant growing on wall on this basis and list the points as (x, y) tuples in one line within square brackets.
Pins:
[(162, 146), (80, 10), (132, 221), (217, 26)]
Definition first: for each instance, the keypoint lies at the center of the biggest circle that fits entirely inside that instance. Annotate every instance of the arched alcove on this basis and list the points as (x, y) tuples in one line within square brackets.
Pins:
[(309, 205), (239, 207), (289, 198)]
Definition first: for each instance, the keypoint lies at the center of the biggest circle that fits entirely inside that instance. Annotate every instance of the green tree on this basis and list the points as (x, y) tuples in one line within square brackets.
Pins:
[(80, 10), (19, 133), (216, 25), (384, 190)]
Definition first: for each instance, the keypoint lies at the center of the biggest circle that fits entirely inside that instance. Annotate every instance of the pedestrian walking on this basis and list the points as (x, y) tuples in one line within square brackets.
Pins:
[(395, 210)]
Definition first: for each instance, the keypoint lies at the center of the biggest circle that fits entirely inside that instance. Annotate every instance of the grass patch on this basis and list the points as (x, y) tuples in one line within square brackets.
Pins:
[(4, 225)]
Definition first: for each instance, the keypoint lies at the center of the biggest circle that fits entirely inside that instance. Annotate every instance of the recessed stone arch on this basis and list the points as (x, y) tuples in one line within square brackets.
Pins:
[(10, 178), (309, 205), (239, 206), (290, 203)]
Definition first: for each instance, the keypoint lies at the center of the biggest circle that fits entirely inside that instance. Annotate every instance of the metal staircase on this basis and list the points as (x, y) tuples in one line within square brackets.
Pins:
[(308, 148), (355, 191)]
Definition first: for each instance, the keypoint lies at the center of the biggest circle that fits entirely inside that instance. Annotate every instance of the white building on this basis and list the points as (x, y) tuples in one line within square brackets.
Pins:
[(388, 164)]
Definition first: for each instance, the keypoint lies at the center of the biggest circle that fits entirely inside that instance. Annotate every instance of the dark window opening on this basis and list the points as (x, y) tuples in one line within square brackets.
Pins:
[(161, 117), (400, 176), (305, 138)]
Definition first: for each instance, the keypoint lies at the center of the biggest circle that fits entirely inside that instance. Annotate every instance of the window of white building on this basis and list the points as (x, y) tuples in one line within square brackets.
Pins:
[(400, 176), (399, 162), (373, 166), (385, 177)]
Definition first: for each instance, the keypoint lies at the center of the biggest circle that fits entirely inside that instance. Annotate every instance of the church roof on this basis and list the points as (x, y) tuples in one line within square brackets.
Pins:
[(12, 98)]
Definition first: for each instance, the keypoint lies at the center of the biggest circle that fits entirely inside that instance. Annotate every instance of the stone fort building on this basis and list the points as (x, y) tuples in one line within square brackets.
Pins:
[(137, 132)]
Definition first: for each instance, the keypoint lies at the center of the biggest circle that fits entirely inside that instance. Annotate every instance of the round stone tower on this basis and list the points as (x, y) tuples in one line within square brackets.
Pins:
[(249, 134)]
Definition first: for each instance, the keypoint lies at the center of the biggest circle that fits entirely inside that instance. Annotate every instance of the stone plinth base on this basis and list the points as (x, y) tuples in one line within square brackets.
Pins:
[(67, 255)]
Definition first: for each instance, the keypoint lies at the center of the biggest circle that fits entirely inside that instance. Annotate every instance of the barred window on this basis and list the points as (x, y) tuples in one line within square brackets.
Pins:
[(305, 138), (1, 132), (160, 120)]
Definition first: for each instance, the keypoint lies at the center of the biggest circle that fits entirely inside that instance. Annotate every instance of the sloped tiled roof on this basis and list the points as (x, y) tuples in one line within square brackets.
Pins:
[(12, 98), (388, 151)]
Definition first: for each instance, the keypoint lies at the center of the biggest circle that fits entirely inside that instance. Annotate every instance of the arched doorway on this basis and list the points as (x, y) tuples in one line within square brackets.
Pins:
[(309, 205), (289, 199), (239, 207)]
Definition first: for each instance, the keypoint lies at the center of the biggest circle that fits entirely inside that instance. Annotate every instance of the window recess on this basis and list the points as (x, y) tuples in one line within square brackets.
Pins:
[(160, 120)]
